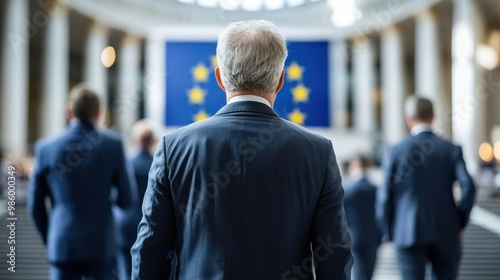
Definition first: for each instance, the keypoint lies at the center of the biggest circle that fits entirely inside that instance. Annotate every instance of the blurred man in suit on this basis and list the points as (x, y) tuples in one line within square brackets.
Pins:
[(127, 219), (77, 171), (417, 208), (244, 194), (359, 203)]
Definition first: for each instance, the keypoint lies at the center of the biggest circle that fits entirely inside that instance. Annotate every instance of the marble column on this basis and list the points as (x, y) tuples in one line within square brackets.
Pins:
[(56, 74), (363, 86), (15, 77), (126, 108), (96, 76), (393, 85), (338, 80)]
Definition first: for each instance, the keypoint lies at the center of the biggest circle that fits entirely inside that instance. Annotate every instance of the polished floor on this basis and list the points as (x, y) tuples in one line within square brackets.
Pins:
[(481, 256)]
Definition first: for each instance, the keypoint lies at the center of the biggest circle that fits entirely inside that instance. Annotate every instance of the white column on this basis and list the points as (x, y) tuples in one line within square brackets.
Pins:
[(338, 80), (465, 100), (96, 75), (55, 89), (15, 67), (392, 57), (126, 107), (363, 86), (428, 76)]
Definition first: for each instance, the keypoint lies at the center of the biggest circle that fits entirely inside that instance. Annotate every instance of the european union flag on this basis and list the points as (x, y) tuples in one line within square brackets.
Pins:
[(193, 93)]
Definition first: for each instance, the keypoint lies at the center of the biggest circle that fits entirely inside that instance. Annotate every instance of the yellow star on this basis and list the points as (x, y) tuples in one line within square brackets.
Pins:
[(215, 62), (201, 115), (200, 73), (300, 93), (297, 116), (196, 95), (294, 71)]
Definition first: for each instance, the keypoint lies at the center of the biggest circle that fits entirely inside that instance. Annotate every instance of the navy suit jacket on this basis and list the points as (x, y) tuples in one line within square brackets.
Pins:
[(77, 171), (416, 203), (359, 204), (128, 219), (243, 195)]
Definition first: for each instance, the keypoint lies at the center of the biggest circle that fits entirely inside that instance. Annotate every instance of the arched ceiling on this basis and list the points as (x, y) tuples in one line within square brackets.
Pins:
[(140, 16)]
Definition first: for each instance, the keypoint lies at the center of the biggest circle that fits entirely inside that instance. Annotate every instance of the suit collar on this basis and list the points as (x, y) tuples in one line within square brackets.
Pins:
[(247, 106), (79, 125)]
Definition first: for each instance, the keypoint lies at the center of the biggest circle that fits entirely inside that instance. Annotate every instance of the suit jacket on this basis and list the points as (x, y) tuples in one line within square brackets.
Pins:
[(359, 203), (128, 219), (242, 195), (77, 171), (416, 201)]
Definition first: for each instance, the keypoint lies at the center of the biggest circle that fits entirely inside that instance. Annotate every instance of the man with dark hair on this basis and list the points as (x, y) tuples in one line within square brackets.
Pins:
[(244, 194), (359, 203), (416, 208), (78, 170)]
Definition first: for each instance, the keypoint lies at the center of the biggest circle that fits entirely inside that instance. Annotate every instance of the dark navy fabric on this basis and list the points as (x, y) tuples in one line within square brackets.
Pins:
[(243, 195), (78, 171)]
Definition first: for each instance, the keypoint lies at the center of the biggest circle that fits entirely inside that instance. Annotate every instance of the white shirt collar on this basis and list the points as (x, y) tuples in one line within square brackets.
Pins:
[(419, 128), (249, 97)]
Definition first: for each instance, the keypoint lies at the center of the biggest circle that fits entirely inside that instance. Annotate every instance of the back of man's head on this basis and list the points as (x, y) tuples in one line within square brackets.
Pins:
[(419, 109), (251, 56), (143, 135), (83, 103)]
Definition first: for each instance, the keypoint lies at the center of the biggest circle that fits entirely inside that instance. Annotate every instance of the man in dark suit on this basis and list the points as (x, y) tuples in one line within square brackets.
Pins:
[(127, 219), (359, 203), (417, 208), (78, 171), (244, 194)]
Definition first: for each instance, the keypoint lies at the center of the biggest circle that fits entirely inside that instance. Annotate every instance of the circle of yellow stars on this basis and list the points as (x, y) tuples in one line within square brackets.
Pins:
[(300, 92), (196, 95)]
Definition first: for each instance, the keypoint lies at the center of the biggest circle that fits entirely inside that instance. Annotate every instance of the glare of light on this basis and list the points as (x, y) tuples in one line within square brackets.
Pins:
[(344, 13), (230, 5), (207, 3), (486, 152), (274, 5), (486, 57), (496, 150), (252, 5), (108, 56), (294, 3)]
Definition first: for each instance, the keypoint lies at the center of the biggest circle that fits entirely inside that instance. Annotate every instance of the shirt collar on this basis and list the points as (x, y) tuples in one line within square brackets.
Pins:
[(419, 128), (249, 97)]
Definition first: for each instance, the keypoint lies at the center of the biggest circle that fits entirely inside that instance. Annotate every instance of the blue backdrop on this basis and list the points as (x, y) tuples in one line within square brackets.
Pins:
[(192, 92)]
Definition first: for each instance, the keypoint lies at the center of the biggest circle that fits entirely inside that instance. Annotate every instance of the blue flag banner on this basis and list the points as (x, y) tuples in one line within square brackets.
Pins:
[(192, 93)]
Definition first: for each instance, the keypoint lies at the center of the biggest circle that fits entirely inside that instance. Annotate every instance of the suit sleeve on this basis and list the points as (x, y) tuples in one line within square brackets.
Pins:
[(331, 243), (468, 188), (38, 191), (156, 236), (385, 193), (123, 181)]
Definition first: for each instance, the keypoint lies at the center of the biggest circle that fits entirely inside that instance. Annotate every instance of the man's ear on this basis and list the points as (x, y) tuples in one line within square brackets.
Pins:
[(69, 112), (219, 79), (281, 81)]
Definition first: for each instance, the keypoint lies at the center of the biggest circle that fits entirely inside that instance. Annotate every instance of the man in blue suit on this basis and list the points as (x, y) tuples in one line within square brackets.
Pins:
[(359, 203), (127, 219), (244, 194), (417, 208), (78, 171)]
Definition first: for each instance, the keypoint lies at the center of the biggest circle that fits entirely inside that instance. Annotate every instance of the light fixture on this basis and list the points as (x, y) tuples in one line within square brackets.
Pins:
[(345, 13), (249, 5), (486, 57), (108, 56), (486, 152)]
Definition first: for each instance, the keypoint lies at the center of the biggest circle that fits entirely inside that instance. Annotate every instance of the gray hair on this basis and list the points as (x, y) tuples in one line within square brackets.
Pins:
[(419, 108), (251, 56)]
